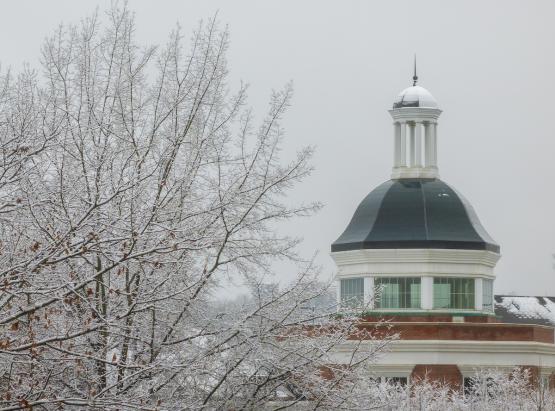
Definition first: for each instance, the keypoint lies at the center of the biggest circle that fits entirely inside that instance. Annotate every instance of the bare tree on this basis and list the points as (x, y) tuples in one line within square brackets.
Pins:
[(132, 183)]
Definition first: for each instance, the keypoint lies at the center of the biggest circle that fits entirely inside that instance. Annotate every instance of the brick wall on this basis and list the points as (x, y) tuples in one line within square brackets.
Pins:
[(464, 331), (441, 373)]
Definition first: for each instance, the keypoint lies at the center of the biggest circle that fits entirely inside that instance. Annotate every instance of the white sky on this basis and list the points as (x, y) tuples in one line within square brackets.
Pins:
[(490, 65)]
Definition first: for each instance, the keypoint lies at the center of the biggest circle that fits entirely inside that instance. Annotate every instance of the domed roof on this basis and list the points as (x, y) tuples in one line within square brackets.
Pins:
[(415, 96), (414, 213)]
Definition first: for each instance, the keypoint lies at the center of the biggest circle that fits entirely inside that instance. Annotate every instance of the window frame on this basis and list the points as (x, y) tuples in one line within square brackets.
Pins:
[(469, 389), (487, 295), (351, 299), (402, 380), (405, 296), (461, 294)]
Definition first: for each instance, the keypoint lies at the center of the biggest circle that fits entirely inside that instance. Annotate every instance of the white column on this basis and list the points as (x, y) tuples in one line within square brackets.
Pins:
[(478, 285), (338, 293), (369, 292), (412, 144), (427, 292), (397, 144), (428, 144), (417, 144), (403, 144), (433, 139)]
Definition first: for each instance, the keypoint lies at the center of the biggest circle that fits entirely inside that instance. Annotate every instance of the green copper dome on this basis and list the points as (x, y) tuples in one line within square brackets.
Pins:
[(414, 213)]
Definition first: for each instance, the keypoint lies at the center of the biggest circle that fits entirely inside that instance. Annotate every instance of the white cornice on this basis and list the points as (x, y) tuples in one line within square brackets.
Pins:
[(415, 114), (470, 370), (427, 255), (397, 370), (414, 271), (437, 346), (414, 172), (419, 262)]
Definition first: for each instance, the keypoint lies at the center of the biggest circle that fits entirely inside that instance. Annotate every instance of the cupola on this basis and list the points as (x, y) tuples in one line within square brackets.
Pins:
[(415, 113), (414, 238)]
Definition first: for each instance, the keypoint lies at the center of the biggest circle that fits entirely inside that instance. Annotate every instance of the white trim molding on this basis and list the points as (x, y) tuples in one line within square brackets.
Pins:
[(416, 262), (404, 354), (427, 293), (478, 294), (369, 292)]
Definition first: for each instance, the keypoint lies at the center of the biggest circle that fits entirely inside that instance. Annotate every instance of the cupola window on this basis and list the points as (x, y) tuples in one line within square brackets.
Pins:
[(399, 292), (454, 293), (487, 295), (352, 292)]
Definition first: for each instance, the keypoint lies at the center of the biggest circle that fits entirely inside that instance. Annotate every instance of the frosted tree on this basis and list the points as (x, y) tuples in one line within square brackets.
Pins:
[(133, 183), (488, 389)]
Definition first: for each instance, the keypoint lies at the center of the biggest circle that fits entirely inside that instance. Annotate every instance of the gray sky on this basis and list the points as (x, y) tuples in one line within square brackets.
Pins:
[(490, 65)]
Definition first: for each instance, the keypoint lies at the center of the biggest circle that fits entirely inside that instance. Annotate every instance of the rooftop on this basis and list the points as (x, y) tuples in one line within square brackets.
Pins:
[(415, 96), (414, 213), (525, 309)]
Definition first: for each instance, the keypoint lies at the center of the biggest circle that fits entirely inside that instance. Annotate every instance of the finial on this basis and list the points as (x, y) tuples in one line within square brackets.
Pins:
[(415, 77)]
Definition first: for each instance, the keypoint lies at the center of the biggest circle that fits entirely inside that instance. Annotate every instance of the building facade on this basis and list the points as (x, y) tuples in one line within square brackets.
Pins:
[(416, 254)]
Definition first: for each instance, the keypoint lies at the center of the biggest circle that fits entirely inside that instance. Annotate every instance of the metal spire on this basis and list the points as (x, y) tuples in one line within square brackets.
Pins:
[(414, 77)]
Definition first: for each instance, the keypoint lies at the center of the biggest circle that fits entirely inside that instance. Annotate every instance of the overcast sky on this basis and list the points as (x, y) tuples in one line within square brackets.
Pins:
[(489, 64)]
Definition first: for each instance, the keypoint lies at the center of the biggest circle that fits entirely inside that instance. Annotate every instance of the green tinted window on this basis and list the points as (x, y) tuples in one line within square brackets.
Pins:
[(487, 295), (352, 292), (398, 292), (457, 293)]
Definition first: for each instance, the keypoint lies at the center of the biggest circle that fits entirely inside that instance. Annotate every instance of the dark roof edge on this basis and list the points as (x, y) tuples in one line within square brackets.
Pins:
[(524, 296), (408, 244)]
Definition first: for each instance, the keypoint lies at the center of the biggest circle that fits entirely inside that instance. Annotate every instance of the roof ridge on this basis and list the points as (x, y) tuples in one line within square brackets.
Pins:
[(424, 211)]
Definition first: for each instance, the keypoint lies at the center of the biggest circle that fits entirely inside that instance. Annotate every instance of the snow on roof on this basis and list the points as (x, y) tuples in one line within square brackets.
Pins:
[(525, 309), (415, 96)]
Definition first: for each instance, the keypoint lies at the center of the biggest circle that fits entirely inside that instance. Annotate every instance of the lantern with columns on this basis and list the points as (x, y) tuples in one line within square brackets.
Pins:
[(415, 115)]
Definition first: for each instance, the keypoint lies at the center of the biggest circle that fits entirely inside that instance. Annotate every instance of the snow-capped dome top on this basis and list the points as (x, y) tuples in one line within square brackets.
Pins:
[(415, 96)]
